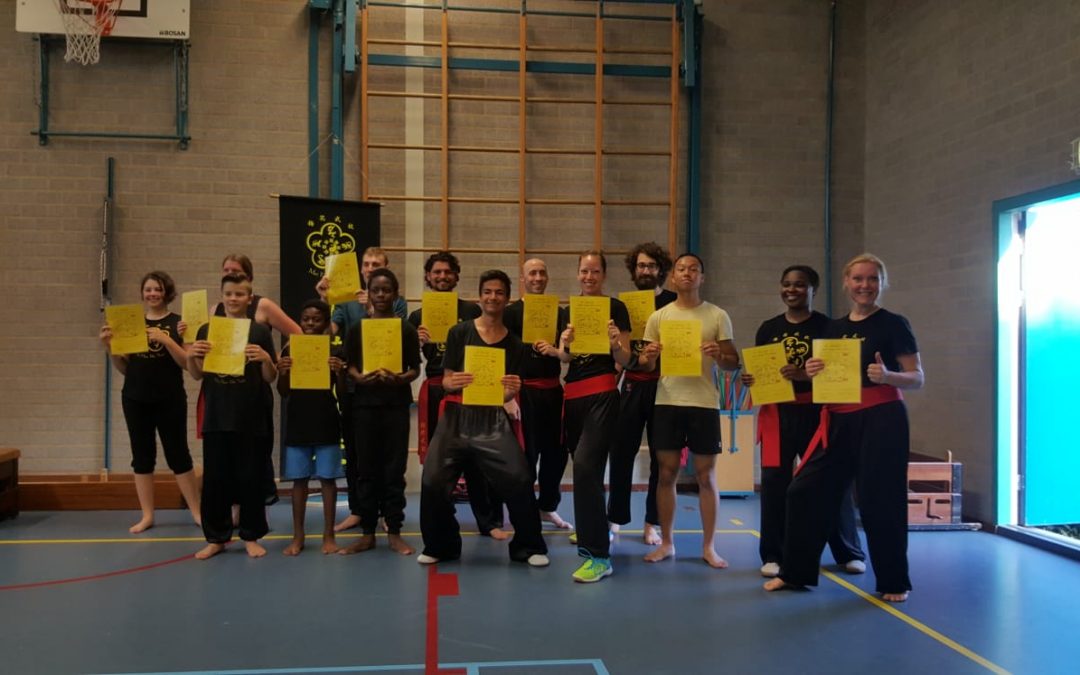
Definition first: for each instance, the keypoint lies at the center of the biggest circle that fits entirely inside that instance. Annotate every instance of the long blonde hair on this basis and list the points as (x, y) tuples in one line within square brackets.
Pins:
[(873, 260)]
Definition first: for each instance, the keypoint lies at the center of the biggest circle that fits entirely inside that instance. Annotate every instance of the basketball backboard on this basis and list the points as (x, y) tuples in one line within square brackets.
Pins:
[(162, 19)]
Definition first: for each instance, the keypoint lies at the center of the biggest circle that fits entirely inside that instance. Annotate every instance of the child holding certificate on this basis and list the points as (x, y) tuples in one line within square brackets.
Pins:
[(784, 429), (867, 442), (154, 399), (312, 431), (383, 359), (235, 424)]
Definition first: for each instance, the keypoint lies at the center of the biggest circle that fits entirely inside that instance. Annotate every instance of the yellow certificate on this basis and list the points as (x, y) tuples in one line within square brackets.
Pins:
[(589, 315), (681, 340), (310, 362), (128, 329), (641, 305), (193, 313), (764, 363), (438, 313), (841, 381), (344, 276), (228, 339), (381, 344), (540, 319), (487, 366)]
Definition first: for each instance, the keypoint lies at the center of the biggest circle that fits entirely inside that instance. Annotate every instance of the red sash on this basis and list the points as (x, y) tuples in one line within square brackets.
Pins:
[(598, 384), (642, 376), (422, 421), (515, 425), (540, 383), (871, 397), (768, 429)]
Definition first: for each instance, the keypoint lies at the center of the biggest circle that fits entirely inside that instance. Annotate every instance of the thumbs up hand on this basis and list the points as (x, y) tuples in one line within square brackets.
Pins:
[(876, 372)]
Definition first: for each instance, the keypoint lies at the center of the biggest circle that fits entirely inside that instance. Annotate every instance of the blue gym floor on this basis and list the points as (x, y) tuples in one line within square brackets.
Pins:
[(80, 595)]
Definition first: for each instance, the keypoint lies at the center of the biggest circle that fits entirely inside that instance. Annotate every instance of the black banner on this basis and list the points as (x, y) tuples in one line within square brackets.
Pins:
[(312, 229)]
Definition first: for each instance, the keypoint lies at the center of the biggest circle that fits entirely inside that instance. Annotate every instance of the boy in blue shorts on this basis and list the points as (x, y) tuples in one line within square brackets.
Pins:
[(312, 434)]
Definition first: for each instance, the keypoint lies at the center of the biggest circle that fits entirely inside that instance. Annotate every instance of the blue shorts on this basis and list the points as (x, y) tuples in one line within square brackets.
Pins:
[(312, 461)]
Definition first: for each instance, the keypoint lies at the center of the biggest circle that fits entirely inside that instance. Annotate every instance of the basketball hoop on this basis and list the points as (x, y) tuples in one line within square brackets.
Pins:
[(85, 23)]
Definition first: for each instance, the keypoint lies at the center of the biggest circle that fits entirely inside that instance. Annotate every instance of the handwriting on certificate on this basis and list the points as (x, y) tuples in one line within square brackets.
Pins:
[(128, 329), (438, 313), (681, 341), (310, 362), (540, 320), (841, 380), (344, 276), (228, 340), (764, 363), (381, 345), (193, 312), (589, 315), (640, 305), (487, 366)]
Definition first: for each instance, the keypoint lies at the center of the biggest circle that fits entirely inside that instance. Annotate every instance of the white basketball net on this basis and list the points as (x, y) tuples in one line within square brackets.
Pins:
[(85, 29)]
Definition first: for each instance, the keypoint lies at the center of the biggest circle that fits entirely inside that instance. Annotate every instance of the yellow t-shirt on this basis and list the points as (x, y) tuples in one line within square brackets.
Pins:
[(693, 392)]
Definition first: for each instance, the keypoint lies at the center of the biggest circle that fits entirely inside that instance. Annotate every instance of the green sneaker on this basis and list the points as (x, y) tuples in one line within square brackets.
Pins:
[(593, 570)]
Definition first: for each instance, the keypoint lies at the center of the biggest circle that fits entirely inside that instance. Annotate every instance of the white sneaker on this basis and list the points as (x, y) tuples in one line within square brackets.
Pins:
[(855, 567), (770, 570), (425, 559), (538, 560)]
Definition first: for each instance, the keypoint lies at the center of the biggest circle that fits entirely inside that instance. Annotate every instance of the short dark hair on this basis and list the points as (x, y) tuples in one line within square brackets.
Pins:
[(385, 273), (497, 275), (654, 251), (695, 256), (318, 304), (236, 279), (443, 256), (167, 285), (810, 272), (595, 253)]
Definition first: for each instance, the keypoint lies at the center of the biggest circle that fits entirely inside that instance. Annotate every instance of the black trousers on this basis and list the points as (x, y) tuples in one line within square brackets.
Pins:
[(541, 422), (348, 435), (635, 415), (798, 422), (590, 427), (169, 420), (870, 446), (233, 472), (382, 452), (485, 505), (482, 437)]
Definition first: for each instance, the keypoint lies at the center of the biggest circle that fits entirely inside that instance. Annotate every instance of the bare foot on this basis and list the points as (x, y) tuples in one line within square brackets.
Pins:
[(714, 560), (349, 523), (210, 551), (142, 526), (254, 549), (366, 542), (398, 545), (778, 584), (660, 553), (295, 546), (555, 519), (895, 597), (197, 519), (329, 544), (499, 534), (651, 535)]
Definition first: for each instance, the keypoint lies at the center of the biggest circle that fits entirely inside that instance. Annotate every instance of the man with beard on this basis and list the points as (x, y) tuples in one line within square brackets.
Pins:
[(648, 265), (541, 400)]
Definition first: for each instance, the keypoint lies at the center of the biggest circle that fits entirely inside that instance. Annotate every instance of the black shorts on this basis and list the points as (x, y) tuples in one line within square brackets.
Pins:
[(676, 427)]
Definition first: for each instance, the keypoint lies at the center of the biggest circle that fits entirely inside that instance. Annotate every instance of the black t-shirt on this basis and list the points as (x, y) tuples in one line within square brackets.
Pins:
[(154, 375), (433, 351), (664, 297), (797, 338), (535, 365), (884, 332), (382, 394), (465, 334), (239, 403), (583, 366), (312, 414)]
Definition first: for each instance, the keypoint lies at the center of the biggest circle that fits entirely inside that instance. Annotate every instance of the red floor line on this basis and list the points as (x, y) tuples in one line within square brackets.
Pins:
[(94, 577), (438, 585)]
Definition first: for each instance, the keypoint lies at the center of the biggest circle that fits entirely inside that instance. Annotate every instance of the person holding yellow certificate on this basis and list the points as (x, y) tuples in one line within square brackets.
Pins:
[(481, 436), (687, 410), (784, 429), (234, 429), (867, 442), (154, 399)]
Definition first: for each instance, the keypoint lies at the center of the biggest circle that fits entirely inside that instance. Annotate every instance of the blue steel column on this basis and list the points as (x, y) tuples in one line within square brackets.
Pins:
[(692, 75)]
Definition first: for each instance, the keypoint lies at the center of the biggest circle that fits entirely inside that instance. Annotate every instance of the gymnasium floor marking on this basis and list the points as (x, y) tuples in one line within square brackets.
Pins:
[(471, 667), (94, 577)]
